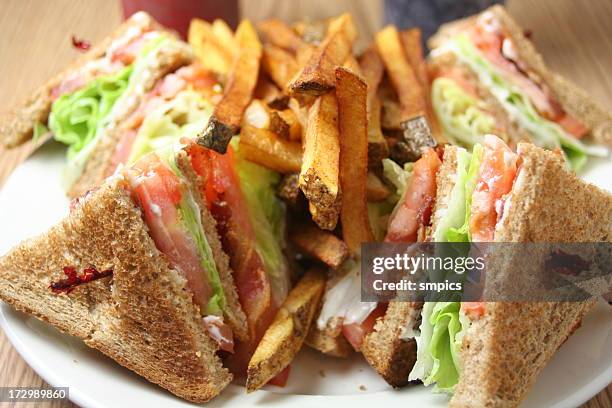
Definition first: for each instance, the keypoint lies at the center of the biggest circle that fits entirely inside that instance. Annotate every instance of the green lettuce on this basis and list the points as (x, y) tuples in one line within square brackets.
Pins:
[(183, 116), (191, 220), (443, 325), (75, 117), (80, 118), (267, 213), (462, 233), (461, 115), (397, 176), (518, 106)]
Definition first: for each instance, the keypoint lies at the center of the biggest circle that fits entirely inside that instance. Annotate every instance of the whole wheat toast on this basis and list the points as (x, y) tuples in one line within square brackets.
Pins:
[(504, 351), (143, 316)]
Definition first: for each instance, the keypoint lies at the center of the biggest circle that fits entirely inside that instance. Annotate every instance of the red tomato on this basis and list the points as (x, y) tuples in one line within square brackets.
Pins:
[(573, 126), (159, 192), (474, 310), (280, 380), (355, 332), (497, 173), (417, 203), (226, 202)]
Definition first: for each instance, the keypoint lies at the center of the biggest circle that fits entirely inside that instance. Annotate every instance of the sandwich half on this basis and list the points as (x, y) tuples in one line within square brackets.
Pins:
[(92, 104), (137, 271), (490, 353), (489, 78)]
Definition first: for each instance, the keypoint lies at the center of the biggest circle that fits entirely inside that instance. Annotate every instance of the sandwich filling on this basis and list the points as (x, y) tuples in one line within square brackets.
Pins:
[(487, 50), (83, 113), (483, 180), (175, 225), (250, 220)]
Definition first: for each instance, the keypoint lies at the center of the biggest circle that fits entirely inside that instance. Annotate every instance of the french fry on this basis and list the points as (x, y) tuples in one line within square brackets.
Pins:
[(281, 35), (225, 120), (319, 244), (211, 50), (279, 64), (256, 115), (400, 72), (376, 189), (278, 125), (292, 120), (319, 178), (312, 32), (413, 47), (317, 76), (289, 190), (264, 147), (351, 92), (352, 65), (270, 94), (224, 34), (285, 336), (372, 69)]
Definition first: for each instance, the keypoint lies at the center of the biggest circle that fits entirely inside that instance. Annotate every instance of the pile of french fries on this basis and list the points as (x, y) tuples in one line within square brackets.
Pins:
[(306, 105)]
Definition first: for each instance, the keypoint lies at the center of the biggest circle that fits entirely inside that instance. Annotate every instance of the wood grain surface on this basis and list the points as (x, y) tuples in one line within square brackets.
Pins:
[(574, 36)]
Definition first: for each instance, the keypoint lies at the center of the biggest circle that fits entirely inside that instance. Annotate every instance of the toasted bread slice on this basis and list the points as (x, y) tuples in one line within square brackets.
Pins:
[(143, 316), (167, 59), (16, 126), (573, 100), (389, 349), (505, 350)]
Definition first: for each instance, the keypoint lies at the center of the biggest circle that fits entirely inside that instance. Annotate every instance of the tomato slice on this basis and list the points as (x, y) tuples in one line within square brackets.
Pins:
[(415, 209), (158, 191), (355, 332), (497, 173), (573, 126), (225, 199), (474, 310)]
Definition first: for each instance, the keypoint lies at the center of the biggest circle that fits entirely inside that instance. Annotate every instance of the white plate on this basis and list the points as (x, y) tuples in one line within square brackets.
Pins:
[(32, 200)]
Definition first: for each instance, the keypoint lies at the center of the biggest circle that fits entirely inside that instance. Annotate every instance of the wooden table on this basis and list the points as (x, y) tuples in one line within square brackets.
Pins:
[(574, 36)]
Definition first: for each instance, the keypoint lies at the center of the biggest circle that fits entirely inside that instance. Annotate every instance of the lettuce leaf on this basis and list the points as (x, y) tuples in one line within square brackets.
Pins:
[(518, 106), (461, 115), (75, 117), (397, 176), (183, 116), (462, 233), (267, 214)]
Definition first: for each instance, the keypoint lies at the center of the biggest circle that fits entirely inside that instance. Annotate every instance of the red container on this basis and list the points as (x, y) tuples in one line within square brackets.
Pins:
[(177, 14)]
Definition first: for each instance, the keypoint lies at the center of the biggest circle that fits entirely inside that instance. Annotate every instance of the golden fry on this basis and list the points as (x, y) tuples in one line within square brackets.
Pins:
[(319, 244), (285, 336), (411, 40), (400, 72), (279, 64), (351, 92), (211, 50), (281, 35), (264, 147), (319, 178), (372, 69), (225, 120), (317, 76), (292, 120)]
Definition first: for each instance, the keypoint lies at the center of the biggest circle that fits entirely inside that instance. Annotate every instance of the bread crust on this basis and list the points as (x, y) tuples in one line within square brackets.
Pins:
[(143, 317), (16, 125)]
